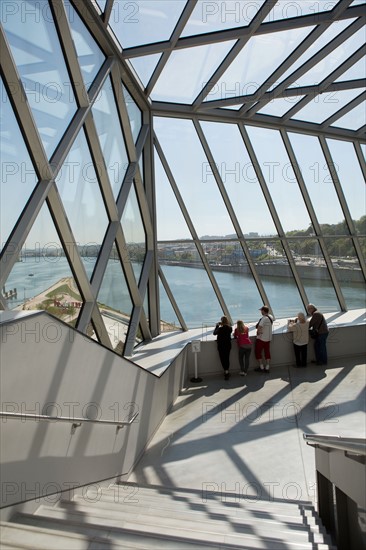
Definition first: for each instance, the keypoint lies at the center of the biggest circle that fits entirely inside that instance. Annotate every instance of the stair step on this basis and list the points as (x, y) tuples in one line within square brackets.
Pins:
[(94, 514), (33, 534), (133, 490), (23, 536), (177, 539), (210, 533), (181, 498), (294, 514), (237, 517)]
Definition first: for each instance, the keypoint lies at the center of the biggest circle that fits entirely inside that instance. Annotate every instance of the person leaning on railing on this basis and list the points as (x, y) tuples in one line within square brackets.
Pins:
[(318, 325)]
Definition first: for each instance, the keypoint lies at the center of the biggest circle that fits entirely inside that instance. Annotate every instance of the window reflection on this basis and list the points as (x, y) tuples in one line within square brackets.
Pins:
[(40, 62), (42, 278), (90, 56), (134, 114), (134, 233), (79, 190), (115, 303), (18, 177), (110, 135)]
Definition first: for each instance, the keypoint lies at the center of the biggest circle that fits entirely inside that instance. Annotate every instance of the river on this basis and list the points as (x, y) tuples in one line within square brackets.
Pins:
[(191, 288)]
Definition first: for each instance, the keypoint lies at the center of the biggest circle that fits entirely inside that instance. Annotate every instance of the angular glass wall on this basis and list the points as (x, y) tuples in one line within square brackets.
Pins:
[(265, 210), (42, 279), (250, 182), (32, 35), (69, 237)]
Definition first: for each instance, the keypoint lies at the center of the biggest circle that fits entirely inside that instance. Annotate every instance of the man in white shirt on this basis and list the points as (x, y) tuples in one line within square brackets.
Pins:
[(263, 341)]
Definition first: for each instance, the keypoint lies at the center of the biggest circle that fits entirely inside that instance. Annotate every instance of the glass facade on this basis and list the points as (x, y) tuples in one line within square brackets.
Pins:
[(165, 163)]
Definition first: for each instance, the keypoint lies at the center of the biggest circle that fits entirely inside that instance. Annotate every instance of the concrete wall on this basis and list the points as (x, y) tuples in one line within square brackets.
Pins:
[(49, 368), (343, 341)]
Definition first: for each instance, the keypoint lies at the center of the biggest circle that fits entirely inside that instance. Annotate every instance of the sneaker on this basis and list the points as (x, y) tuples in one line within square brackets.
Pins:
[(259, 369), (242, 373), (227, 375)]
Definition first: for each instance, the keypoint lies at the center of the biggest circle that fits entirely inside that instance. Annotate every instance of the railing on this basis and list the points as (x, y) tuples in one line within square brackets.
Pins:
[(354, 445), (75, 422), (341, 478)]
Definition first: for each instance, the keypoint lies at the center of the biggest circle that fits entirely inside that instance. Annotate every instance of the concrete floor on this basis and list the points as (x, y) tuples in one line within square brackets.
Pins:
[(245, 435)]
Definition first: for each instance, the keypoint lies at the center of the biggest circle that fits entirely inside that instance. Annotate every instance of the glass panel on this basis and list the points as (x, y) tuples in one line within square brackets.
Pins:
[(190, 167), (143, 21), (90, 56), (351, 178), (110, 135), (170, 222), (355, 119), (134, 232), (234, 278), (115, 303), (325, 105), (102, 4), (358, 70), (363, 149), (188, 71), (317, 180), (348, 271), (190, 285), (256, 62), (18, 178), (168, 319), (285, 9), (313, 272), (217, 16), (331, 32), (278, 107), (40, 62), (238, 176), (273, 268), (363, 241), (280, 178), (145, 66), (42, 278), (332, 61), (79, 191), (134, 114), (146, 305)]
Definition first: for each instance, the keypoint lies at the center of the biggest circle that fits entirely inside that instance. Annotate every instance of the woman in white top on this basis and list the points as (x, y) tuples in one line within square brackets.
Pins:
[(300, 329)]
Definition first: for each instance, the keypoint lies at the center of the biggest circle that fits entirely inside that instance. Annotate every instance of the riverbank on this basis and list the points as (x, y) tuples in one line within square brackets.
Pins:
[(314, 272)]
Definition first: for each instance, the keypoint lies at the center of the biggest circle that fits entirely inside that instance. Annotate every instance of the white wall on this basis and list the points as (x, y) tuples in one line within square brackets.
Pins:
[(343, 341), (49, 368)]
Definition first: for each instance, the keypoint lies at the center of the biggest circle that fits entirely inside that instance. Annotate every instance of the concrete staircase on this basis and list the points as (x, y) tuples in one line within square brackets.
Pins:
[(130, 516)]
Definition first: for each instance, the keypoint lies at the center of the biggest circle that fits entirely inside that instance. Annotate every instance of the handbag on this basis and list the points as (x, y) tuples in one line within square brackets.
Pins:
[(314, 332)]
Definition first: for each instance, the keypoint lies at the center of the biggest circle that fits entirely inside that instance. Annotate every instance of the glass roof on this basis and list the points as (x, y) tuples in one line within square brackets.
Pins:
[(246, 60)]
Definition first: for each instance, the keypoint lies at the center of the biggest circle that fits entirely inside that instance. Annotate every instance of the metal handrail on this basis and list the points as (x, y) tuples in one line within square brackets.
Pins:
[(76, 422), (355, 445)]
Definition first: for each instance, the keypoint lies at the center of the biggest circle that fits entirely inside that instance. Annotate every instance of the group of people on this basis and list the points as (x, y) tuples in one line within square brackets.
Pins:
[(300, 327)]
